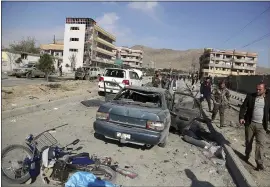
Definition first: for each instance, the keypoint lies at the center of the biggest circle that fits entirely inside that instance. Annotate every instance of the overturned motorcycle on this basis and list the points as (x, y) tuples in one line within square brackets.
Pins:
[(53, 162)]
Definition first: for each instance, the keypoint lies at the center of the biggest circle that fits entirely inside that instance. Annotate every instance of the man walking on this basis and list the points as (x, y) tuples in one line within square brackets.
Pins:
[(206, 92), (221, 98), (255, 115)]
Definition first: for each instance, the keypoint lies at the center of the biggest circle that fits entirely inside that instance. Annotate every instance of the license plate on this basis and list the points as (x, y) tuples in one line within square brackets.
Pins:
[(123, 135)]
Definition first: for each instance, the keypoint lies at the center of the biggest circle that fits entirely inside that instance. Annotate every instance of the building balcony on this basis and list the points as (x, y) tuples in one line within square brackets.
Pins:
[(244, 67), (220, 65), (239, 60), (99, 29), (130, 59), (103, 51), (131, 54), (104, 42), (103, 60)]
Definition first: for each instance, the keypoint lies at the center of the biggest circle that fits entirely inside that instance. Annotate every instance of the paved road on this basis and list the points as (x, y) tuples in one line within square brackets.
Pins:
[(13, 81), (178, 163)]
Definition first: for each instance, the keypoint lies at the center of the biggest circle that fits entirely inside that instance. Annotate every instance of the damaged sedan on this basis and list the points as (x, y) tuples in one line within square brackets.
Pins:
[(137, 115)]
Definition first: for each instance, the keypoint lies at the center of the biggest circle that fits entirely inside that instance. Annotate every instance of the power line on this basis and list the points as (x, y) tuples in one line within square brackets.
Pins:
[(257, 40), (247, 24)]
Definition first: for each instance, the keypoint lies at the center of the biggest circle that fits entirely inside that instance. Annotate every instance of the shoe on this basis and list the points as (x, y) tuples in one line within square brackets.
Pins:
[(246, 158), (259, 167)]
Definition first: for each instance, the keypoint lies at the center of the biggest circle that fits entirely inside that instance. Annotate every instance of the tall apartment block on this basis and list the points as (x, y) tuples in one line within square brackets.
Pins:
[(131, 57), (222, 63), (86, 43)]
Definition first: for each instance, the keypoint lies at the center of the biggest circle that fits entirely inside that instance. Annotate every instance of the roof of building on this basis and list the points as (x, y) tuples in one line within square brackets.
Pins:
[(231, 52), (56, 46), (20, 52)]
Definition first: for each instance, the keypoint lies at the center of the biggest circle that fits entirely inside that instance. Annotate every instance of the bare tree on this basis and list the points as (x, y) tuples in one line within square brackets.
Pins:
[(73, 60), (25, 45), (11, 58)]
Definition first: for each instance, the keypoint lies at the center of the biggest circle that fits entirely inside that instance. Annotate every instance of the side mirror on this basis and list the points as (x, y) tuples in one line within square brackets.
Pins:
[(75, 142)]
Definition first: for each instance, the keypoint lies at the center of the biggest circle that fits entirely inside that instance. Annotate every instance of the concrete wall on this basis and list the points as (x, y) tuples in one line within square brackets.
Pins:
[(73, 45), (8, 60), (245, 83)]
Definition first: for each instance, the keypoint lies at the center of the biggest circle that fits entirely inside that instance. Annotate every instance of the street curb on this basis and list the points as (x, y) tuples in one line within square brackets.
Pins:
[(44, 106), (239, 173)]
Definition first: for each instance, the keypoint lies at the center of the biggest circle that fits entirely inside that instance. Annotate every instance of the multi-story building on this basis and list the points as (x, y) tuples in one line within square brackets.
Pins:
[(130, 57), (86, 43), (55, 49), (222, 63)]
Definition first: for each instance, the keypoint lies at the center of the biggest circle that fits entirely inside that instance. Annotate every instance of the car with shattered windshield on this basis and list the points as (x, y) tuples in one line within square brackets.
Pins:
[(137, 115)]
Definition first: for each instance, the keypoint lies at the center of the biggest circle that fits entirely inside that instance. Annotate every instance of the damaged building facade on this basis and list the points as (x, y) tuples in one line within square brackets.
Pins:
[(86, 44), (130, 57), (222, 63)]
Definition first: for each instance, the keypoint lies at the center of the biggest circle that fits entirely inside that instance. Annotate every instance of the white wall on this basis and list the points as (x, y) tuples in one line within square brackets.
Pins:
[(73, 45)]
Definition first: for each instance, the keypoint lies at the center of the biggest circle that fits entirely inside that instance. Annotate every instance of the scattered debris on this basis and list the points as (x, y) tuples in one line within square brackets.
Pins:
[(55, 108), (13, 104), (33, 97), (13, 120), (165, 161)]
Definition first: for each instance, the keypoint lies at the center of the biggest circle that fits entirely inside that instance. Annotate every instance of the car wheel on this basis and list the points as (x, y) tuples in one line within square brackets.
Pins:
[(165, 141), (18, 76), (101, 93), (29, 75)]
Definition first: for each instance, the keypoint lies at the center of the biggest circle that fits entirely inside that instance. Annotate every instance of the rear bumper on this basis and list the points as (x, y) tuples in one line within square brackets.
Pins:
[(109, 89), (138, 136)]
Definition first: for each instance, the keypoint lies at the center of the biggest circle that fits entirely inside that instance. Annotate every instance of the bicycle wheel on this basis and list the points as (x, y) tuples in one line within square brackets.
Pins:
[(17, 167)]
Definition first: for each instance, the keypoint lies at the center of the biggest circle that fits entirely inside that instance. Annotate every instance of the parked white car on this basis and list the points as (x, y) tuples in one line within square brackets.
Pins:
[(123, 77)]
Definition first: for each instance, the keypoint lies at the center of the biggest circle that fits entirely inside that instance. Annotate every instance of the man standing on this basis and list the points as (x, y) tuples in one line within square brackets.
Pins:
[(206, 92), (155, 80), (255, 115), (60, 69), (221, 98)]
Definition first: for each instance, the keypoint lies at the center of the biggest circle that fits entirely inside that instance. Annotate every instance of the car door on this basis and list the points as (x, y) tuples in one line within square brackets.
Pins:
[(186, 109), (135, 78)]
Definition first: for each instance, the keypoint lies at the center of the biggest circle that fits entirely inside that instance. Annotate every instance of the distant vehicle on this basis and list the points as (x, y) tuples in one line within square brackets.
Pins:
[(87, 73), (124, 77), (137, 115), (29, 70)]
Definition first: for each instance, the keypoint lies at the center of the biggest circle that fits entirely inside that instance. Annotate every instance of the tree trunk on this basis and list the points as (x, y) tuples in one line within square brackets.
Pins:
[(47, 76)]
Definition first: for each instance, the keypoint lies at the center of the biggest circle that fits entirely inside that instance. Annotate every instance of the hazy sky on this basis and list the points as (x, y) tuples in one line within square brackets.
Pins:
[(174, 25)]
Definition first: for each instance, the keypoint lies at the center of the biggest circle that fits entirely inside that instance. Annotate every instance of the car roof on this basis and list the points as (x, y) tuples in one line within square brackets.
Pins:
[(147, 89)]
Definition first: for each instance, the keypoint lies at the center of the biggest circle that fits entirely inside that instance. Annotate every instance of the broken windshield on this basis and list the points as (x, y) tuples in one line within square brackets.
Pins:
[(138, 97)]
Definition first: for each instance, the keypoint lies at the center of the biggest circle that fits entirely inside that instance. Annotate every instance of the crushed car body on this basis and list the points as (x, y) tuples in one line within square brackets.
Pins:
[(137, 115)]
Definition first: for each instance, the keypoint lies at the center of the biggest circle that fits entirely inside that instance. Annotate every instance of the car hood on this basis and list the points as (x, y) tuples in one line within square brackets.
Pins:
[(131, 114)]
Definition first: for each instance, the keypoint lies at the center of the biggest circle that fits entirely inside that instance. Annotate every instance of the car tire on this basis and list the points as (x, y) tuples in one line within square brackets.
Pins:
[(165, 141), (101, 93), (18, 76), (29, 75)]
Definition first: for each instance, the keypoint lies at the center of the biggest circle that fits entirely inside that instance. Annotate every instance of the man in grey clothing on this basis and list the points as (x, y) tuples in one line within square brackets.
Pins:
[(255, 115)]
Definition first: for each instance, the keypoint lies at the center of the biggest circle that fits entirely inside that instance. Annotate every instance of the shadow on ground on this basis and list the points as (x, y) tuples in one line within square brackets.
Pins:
[(195, 182), (242, 157), (93, 102)]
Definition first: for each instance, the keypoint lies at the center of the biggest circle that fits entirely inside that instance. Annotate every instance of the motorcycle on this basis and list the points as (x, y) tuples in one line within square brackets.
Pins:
[(45, 148)]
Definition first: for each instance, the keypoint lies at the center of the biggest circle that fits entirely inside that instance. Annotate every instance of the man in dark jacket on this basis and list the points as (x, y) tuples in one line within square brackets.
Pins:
[(206, 92), (255, 115)]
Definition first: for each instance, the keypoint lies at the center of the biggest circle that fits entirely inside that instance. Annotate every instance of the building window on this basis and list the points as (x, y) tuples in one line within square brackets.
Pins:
[(73, 50), (74, 39), (74, 28)]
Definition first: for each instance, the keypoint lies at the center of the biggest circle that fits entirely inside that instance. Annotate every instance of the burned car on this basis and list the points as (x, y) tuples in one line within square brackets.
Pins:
[(137, 115)]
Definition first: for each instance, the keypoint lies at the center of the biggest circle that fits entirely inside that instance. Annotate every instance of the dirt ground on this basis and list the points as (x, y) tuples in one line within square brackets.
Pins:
[(235, 134), (27, 95)]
